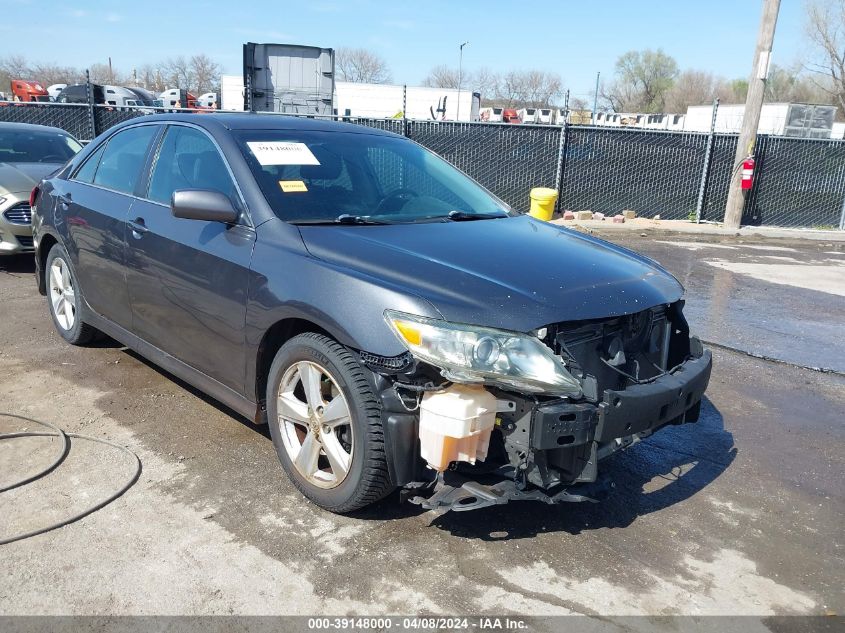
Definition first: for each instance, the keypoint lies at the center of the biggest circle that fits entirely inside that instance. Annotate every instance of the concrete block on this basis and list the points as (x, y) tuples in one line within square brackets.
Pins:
[(598, 216), (619, 219), (568, 215), (628, 214), (584, 215)]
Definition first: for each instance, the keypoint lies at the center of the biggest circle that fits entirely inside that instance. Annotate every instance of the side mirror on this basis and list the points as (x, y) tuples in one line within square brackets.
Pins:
[(202, 204)]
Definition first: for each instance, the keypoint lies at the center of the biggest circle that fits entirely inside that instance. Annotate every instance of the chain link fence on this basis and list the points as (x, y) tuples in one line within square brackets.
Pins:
[(651, 172), (798, 182), (71, 117), (509, 160)]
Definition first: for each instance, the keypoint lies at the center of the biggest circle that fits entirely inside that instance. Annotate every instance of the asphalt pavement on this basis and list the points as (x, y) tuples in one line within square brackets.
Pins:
[(740, 513)]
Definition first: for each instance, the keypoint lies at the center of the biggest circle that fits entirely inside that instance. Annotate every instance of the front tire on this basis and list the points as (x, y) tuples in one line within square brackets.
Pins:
[(325, 422), (64, 298)]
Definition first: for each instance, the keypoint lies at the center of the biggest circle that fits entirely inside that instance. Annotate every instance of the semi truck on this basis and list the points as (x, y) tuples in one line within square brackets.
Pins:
[(23, 90), (288, 78)]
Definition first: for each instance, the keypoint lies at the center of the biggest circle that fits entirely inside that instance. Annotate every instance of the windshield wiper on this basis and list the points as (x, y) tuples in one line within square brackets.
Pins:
[(344, 218), (462, 216)]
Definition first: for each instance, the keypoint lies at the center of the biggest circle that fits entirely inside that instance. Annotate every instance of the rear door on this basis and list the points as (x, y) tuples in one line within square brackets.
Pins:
[(188, 279), (94, 204)]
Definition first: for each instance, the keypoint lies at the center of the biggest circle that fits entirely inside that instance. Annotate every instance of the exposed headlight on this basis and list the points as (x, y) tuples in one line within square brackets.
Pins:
[(468, 353)]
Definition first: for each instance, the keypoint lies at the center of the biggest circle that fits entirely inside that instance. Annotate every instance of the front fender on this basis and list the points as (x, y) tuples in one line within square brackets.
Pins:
[(286, 282)]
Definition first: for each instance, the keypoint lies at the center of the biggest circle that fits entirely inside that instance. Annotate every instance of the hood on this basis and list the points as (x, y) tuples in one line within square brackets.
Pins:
[(511, 273), (22, 177)]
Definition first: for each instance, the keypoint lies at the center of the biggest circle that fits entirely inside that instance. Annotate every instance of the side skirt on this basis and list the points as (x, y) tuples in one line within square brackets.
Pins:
[(192, 376)]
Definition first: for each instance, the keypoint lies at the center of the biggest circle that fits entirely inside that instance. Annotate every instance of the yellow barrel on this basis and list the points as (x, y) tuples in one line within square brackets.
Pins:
[(543, 203)]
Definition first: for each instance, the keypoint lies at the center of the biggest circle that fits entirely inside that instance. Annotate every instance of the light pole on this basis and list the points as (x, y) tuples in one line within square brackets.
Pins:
[(460, 77)]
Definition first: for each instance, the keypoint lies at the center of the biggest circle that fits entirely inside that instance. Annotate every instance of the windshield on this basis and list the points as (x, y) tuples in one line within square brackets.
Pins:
[(36, 146), (312, 177)]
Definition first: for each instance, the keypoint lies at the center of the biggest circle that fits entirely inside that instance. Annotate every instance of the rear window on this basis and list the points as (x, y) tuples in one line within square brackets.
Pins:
[(36, 146), (318, 176)]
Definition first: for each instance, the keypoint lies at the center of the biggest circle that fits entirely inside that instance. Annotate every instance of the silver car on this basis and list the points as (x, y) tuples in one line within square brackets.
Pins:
[(28, 153)]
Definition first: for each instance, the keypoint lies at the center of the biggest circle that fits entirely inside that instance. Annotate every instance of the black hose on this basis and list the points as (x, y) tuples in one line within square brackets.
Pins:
[(65, 450), (51, 467)]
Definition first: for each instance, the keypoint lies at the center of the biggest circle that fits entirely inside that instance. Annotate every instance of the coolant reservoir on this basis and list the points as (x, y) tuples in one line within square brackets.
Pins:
[(455, 425)]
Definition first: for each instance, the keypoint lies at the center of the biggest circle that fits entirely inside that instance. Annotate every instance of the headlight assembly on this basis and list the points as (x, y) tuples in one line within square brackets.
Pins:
[(468, 353)]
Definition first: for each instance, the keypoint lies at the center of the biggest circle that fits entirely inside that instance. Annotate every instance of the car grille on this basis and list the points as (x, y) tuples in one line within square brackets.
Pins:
[(606, 353), (25, 240), (21, 213)]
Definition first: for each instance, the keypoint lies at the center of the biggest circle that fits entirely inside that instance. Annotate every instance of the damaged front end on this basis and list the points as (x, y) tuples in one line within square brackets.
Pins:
[(476, 417)]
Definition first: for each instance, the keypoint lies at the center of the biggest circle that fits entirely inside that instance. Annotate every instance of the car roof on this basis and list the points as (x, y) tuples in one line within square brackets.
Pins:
[(32, 127), (251, 121)]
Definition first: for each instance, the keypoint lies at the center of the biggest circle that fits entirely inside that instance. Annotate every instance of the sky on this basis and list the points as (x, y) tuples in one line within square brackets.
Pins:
[(576, 39)]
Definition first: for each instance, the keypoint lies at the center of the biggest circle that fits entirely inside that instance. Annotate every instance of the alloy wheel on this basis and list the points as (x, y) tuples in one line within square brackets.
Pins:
[(62, 294), (315, 424)]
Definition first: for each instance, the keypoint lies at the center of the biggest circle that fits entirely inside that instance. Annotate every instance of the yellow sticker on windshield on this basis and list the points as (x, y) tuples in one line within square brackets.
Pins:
[(289, 186)]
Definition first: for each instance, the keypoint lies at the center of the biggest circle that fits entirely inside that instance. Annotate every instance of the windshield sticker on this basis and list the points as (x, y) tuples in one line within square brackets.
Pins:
[(282, 153), (289, 186)]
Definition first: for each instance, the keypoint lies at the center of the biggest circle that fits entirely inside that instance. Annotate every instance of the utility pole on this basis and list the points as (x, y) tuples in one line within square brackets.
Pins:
[(460, 78), (595, 99), (753, 105)]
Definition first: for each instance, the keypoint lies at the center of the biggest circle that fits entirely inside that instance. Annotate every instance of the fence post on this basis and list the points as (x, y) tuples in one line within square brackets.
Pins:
[(89, 95), (405, 110), (705, 170), (561, 154), (842, 217)]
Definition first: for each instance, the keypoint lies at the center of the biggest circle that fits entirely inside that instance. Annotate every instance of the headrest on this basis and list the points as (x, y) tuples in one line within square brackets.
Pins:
[(330, 167)]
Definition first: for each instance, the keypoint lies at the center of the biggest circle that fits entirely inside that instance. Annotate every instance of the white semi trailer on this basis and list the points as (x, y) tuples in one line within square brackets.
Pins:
[(805, 120), (381, 101)]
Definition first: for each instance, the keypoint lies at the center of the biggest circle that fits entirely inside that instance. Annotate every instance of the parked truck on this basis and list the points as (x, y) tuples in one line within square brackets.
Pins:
[(381, 101), (23, 90), (804, 120), (288, 78)]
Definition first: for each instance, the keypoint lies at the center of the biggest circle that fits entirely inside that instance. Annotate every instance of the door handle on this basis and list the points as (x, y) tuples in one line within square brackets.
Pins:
[(138, 228)]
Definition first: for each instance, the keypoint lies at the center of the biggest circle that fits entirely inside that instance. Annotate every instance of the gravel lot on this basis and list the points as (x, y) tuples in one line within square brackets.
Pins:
[(739, 514)]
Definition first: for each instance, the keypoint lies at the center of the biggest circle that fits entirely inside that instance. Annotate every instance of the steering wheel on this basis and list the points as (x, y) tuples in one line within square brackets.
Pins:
[(402, 195), (55, 159)]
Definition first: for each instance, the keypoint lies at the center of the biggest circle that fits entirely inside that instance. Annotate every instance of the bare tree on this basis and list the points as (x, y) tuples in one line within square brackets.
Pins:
[(361, 66), (206, 73), (445, 77), (732, 90), (178, 72), (49, 74), (15, 66), (825, 27), (692, 87), (105, 74), (642, 79), (485, 81), (531, 88)]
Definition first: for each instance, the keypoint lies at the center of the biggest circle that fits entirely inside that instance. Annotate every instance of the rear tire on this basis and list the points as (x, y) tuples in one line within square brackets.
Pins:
[(325, 421), (64, 297)]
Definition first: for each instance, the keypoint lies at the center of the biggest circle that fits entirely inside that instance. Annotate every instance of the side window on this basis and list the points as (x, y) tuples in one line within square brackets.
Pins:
[(89, 167), (123, 158), (188, 160)]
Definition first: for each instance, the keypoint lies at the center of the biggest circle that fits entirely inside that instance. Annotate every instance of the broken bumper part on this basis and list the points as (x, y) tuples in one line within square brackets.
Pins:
[(565, 441)]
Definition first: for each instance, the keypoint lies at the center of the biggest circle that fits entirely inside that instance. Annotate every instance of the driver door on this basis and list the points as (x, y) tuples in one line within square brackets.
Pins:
[(188, 279)]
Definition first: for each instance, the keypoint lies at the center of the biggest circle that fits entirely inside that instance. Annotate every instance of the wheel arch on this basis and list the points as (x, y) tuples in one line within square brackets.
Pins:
[(271, 342), (45, 244)]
